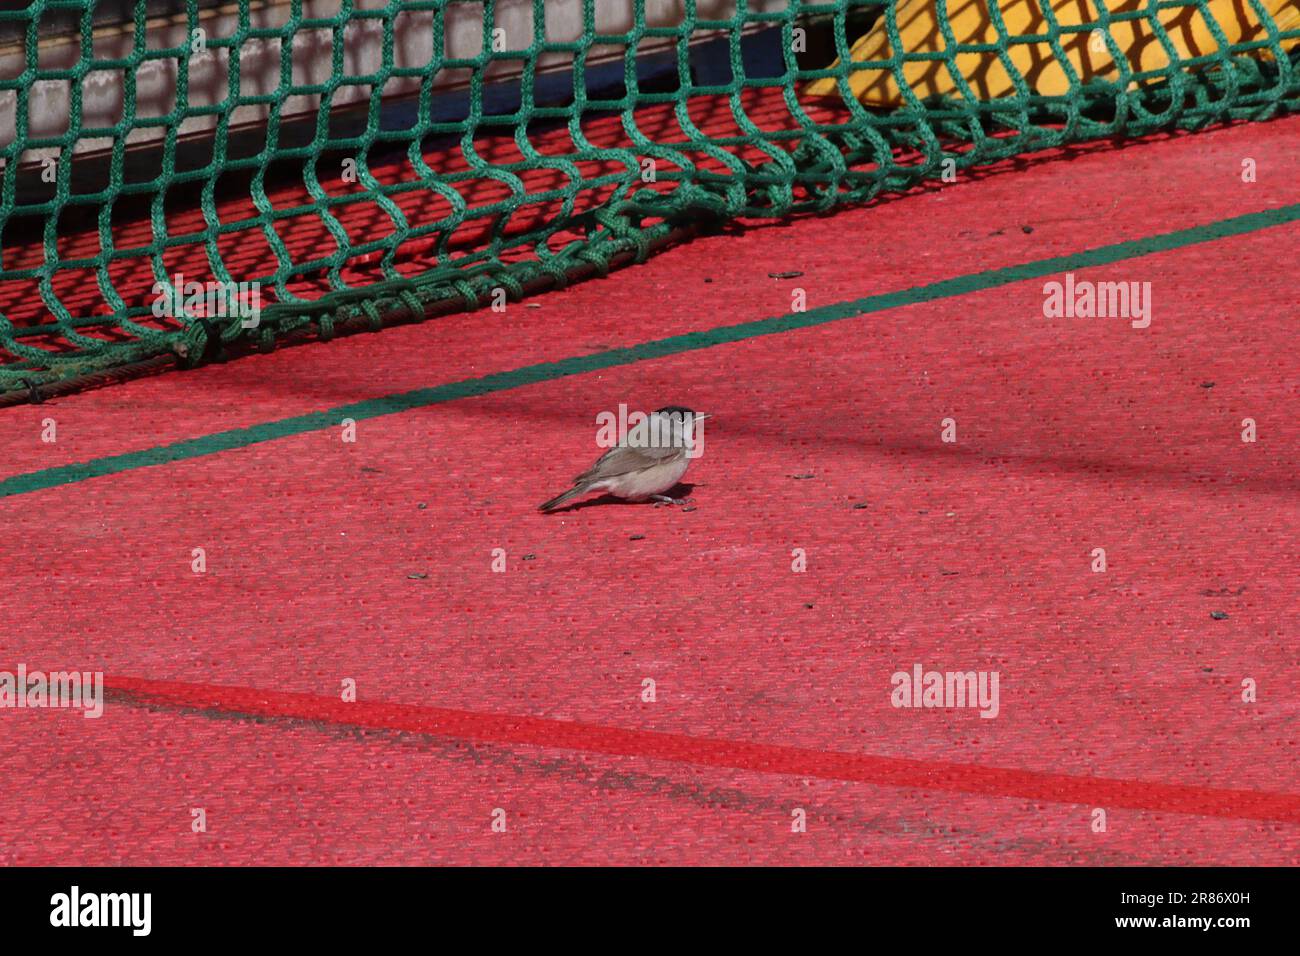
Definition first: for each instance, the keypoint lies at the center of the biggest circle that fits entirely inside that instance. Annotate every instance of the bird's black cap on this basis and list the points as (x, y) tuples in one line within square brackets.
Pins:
[(675, 410)]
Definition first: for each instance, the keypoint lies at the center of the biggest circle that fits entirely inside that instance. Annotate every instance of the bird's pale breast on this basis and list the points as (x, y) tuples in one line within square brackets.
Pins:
[(654, 480)]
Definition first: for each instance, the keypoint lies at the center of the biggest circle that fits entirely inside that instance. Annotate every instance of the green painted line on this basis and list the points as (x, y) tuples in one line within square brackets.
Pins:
[(659, 348)]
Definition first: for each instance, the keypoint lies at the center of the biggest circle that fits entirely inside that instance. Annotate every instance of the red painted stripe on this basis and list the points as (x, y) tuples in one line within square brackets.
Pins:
[(1102, 792)]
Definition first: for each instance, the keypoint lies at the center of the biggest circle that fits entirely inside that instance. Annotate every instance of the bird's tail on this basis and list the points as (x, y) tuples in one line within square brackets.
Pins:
[(561, 499)]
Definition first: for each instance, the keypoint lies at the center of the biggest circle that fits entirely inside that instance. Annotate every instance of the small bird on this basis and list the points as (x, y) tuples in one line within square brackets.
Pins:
[(641, 467)]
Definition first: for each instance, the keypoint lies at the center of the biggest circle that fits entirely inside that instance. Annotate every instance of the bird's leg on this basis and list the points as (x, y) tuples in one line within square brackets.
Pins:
[(665, 500)]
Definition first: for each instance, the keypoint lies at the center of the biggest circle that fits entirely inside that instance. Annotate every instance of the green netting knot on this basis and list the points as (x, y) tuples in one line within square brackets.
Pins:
[(465, 290), (620, 223), (555, 269), (414, 307), (513, 287), (598, 258), (374, 318)]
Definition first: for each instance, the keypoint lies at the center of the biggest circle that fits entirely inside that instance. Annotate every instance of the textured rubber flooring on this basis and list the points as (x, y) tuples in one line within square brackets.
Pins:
[(372, 561)]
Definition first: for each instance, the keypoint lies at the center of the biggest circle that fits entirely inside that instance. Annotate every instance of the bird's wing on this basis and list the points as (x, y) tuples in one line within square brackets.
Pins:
[(626, 459)]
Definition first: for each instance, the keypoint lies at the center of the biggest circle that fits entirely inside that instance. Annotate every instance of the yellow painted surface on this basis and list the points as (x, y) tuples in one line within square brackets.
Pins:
[(986, 72)]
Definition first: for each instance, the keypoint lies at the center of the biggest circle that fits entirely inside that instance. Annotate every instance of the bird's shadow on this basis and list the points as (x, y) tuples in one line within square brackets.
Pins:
[(680, 490)]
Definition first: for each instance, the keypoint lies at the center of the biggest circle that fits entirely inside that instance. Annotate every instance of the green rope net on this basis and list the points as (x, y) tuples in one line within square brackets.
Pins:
[(183, 178)]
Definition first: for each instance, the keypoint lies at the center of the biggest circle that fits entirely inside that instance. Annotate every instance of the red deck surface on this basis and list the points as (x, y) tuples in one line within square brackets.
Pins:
[(521, 690)]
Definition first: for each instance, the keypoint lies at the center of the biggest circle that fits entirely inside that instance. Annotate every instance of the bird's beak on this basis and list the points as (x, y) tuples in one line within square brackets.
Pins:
[(700, 418)]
